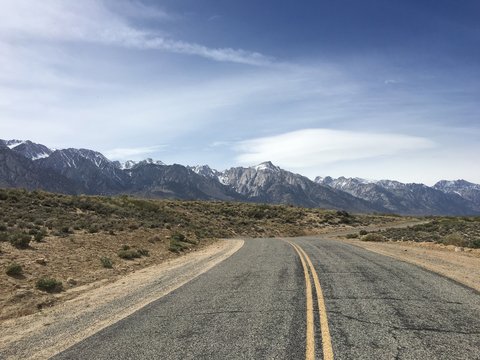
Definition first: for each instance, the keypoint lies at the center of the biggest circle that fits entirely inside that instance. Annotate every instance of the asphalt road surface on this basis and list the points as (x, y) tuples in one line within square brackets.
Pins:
[(266, 302)]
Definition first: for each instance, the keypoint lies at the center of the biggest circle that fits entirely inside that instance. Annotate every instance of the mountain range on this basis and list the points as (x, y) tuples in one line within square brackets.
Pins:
[(25, 164)]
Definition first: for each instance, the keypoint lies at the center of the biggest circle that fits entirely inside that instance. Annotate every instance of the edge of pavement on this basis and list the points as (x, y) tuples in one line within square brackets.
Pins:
[(53, 330)]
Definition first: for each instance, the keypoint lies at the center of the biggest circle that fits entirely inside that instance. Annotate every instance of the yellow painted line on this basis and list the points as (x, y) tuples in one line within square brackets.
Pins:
[(310, 350), (322, 309)]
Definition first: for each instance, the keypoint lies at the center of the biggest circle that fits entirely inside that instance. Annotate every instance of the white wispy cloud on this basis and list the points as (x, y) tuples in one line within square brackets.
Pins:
[(132, 153), (310, 148), (140, 10), (94, 22), (219, 54)]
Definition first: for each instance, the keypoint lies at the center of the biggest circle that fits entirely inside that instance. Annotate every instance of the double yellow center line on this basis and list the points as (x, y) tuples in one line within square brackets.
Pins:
[(322, 310)]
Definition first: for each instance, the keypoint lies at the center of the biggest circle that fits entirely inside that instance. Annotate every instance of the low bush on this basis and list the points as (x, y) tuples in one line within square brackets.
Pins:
[(14, 269), (178, 236), (49, 285), (20, 240), (363, 232), (106, 262), (351, 236), (475, 244), (143, 252), (178, 246), (129, 254), (454, 239), (4, 236), (93, 229), (40, 235), (66, 230), (374, 237)]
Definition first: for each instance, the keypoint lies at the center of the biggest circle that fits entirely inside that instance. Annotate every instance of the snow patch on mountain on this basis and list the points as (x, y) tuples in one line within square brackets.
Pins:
[(40, 156)]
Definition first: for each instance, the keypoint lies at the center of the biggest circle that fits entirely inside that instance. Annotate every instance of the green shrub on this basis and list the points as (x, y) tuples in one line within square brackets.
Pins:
[(50, 285), (129, 254), (106, 262), (475, 244), (3, 227), (4, 236), (454, 239), (14, 269), (177, 246), (373, 237), (93, 229), (351, 236), (40, 235), (363, 232), (125, 247), (66, 230), (143, 252), (20, 240), (178, 236)]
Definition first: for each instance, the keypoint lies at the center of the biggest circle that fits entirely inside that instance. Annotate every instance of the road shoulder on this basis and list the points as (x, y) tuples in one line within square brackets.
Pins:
[(461, 266), (44, 334)]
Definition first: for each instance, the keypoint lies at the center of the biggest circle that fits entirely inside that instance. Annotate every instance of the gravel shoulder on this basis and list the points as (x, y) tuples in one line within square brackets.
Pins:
[(44, 334), (461, 266)]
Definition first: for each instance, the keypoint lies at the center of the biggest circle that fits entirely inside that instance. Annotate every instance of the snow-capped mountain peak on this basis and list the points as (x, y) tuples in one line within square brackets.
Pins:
[(130, 164), (266, 166), (28, 149), (13, 143), (204, 170), (455, 185)]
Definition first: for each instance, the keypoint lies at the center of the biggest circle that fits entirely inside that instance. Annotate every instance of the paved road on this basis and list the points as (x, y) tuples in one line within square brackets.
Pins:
[(259, 304)]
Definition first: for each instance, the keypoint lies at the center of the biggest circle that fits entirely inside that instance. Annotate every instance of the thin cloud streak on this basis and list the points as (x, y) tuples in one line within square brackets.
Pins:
[(132, 153), (309, 148), (92, 21), (219, 54)]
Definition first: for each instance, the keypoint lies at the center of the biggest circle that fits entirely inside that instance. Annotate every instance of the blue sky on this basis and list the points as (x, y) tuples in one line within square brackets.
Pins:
[(375, 89)]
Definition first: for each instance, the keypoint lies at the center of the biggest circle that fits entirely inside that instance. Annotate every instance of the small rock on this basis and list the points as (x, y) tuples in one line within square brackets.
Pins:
[(459, 249), (71, 281), (41, 261)]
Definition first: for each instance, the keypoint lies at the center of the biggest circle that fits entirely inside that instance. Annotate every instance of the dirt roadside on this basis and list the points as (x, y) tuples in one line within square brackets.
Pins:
[(459, 264), (462, 266), (41, 335)]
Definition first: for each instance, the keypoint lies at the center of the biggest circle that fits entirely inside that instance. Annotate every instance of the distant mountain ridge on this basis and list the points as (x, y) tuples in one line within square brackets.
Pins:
[(82, 171), (397, 197)]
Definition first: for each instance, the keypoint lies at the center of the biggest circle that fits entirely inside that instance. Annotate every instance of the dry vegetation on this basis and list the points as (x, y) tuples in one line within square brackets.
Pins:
[(457, 231), (50, 243)]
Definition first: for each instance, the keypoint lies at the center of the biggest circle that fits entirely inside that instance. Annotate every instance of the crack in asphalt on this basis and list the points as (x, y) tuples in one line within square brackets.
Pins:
[(398, 349), (399, 328), (393, 299)]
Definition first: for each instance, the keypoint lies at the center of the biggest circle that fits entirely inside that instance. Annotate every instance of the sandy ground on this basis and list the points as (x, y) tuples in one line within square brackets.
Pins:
[(43, 334), (447, 260), (75, 261)]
